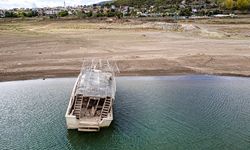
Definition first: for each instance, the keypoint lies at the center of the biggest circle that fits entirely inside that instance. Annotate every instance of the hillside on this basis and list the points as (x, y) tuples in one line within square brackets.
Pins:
[(222, 4), (158, 2)]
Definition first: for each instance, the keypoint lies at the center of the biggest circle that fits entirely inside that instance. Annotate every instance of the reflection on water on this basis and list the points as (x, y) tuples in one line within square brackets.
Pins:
[(178, 112)]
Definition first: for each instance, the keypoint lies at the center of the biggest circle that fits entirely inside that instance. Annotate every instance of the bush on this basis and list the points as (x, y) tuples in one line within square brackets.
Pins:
[(79, 14), (229, 4), (217, 11), (185, 12), (89, 14), (99, 14), (119, 15), (110, 14), (9, 14), (34, 13), (243, 4), (63, 13), (28, 14), (52, 17)]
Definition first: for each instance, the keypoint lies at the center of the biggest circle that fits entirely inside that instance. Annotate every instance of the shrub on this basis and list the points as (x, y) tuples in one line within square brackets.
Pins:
[(63, 13), (79, 14), (228, 4), (243, 4), (89, 14), (185, 12), (9, 14), (118, 15), (110, 14), (28, 14), (99, 14)]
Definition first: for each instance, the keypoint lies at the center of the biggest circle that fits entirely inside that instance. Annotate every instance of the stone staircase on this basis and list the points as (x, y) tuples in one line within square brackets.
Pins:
[(87, 126), (106, 107), (78, 106)]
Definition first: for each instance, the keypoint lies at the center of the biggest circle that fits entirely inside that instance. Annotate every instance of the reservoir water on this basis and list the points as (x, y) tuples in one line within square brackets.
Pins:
[(178, 112)]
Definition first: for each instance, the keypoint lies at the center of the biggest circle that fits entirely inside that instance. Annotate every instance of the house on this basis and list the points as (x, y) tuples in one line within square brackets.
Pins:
[(51, 11), (113, 7), (2, 13)]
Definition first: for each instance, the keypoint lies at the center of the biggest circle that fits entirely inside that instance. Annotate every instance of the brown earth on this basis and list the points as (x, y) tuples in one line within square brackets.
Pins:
[(42, 49)]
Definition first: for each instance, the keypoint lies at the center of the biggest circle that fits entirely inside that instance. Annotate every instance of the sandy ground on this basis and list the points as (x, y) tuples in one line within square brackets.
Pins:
[(42, 49)]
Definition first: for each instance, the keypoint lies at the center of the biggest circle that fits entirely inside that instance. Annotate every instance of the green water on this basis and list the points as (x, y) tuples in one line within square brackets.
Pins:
[(180, 112)]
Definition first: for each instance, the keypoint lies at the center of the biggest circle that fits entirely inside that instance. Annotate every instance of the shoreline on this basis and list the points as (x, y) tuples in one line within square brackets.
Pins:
[(60, 74)]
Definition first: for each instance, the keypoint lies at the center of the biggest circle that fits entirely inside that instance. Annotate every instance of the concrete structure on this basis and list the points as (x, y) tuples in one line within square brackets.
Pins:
[(90, 106)]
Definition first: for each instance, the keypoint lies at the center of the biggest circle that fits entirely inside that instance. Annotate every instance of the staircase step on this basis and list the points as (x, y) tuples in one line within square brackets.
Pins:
[(89, 129), (78, 106)]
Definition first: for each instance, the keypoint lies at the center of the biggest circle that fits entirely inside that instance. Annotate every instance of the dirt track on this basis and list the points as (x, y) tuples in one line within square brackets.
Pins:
[(57, 48)]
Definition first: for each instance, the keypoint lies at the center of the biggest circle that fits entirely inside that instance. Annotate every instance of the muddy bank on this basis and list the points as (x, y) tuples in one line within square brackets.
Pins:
[(30, 50), (213, 65)]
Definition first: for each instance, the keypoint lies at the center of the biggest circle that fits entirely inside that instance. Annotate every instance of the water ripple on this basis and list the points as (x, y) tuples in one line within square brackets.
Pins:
[(183, 112)]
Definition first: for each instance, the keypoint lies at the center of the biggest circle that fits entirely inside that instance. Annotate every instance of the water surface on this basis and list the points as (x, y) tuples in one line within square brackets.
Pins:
[(179, 112)]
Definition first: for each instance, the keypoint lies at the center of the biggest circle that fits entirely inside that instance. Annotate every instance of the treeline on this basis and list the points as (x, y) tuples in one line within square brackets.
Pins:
[(109, 13), (236, 4), (10, 14)]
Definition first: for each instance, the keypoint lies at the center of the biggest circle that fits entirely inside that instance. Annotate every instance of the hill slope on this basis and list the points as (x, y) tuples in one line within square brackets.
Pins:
[(156, 2)]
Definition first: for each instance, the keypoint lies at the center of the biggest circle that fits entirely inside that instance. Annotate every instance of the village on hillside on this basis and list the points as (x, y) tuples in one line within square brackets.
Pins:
[(196, 9)]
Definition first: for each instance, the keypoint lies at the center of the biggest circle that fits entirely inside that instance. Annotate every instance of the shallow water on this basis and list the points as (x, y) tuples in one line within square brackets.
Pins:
[(179, 112)]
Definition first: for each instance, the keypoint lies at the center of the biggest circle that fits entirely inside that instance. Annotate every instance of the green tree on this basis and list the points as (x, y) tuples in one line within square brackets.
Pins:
[(21, 14), (243, 4), (29, 14), (185, 12), (10, 14), (110, 14), (229, 4), (118, 15), (90, 14), (100, 14), (79, 14), (34, 13), (63, 13)]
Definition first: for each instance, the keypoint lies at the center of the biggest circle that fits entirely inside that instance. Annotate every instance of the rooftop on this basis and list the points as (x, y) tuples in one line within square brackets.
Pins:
[(96, 83)]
